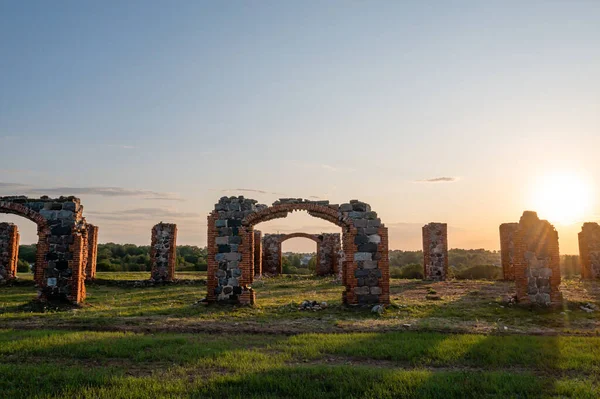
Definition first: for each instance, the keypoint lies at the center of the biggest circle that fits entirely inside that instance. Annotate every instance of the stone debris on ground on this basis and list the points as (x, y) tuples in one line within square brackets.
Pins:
[(312, 305)]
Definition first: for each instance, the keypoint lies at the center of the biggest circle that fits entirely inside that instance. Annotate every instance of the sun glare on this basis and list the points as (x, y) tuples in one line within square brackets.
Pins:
[(563, 198)]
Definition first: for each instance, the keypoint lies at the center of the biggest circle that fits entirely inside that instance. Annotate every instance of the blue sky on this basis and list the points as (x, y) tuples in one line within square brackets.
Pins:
[(174, 104)]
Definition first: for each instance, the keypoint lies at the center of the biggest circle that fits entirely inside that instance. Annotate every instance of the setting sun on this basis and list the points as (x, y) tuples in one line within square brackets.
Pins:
[(563, 198)]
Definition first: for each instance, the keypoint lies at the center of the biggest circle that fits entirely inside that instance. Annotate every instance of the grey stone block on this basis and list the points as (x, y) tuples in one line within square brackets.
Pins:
[(363, 256)]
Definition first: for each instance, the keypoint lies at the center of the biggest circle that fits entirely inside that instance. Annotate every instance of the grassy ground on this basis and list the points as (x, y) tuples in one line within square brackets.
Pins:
[(148, 342), (67, 364), (464, 306)]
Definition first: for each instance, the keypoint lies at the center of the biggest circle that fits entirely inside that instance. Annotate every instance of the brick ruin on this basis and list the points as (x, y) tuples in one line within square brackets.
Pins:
[(258, 253), (62, 244), (328, 249), (537, 261), (9, 251), (92, 248), (589, 250), (163, 252), (435, 251), (231, 247), (507, 250)]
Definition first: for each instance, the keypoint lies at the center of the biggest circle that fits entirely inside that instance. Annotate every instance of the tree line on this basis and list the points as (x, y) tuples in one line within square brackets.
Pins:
[(463, 263)]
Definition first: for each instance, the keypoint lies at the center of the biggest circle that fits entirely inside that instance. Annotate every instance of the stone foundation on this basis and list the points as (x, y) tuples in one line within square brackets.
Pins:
[(537, 261), (435, 251), (230, 247), (507, 250), (92, 252), (589, 251), (163, 252), (9, 251)]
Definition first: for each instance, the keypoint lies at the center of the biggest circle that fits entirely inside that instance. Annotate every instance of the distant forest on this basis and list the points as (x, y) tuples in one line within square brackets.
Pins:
[(464, 263)]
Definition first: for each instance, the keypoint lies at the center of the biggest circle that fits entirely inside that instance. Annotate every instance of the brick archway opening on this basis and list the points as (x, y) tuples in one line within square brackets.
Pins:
[(327, 259), (231, 247), (62, 247)]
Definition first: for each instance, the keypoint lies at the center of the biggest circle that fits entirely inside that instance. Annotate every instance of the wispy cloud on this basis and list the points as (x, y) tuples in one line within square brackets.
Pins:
[(317, 165), (142, 213), (101, 191), (248, 190), (125, 147), (444, 179)]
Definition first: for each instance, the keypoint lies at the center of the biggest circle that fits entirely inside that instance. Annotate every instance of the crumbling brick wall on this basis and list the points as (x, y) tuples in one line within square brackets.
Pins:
[(507, 249), (537, 261), (435, 251), (258, 253), (9, 251), (163, 252), (230, 247), (92, 252), (61, 256), (589, 250)]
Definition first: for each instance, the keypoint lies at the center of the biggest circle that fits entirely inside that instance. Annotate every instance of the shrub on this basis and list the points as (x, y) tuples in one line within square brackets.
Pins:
[(479, 272), (410, 271)]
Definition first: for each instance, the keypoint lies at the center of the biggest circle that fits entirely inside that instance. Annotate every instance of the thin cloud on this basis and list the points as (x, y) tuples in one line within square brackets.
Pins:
[(248, 190), (11, 185), (142, 213), (324, 166), (444, 179), (106, 192), (125, 147)]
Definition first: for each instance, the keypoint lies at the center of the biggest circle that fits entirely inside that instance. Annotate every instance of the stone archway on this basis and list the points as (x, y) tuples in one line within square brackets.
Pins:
[(365, 268), (62, 248), (328, 248)]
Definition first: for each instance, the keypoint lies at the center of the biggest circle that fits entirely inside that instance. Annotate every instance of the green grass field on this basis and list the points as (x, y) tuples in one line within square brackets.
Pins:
[(149, 342)]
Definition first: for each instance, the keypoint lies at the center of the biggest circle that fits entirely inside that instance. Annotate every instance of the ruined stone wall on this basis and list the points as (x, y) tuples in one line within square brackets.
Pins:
[(92, 252), (60, 260), (507, 249), (9, 251), (271, 255), (163, 252), (537, 261), (365, 243), (589, 250), (435, 251), (258, 253)]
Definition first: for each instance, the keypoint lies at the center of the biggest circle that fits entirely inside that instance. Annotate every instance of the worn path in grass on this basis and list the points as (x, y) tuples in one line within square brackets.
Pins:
[(463, 307)]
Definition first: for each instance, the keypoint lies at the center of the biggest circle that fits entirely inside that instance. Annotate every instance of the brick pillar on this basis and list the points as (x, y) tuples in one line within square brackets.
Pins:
[(257, 253), (163, 252), (537, 261), (92, 238), (9, 251), (589, 251), (507, 249), (435, 251), (77, 292)]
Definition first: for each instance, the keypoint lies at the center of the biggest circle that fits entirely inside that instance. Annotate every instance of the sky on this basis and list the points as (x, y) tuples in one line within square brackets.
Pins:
[(464, 112)]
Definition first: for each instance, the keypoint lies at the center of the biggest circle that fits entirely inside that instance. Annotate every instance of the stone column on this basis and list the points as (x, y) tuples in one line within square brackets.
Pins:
[(589, 251), (92, 241), (537, 261), (257, 253), (435, 251), (163, 251), (9, 251), (271, 262), (328, 250), (507, 249)]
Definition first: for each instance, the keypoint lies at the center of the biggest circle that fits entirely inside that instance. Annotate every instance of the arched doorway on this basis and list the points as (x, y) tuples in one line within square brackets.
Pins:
[(62, 248), (365, 267), (327, 254)]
